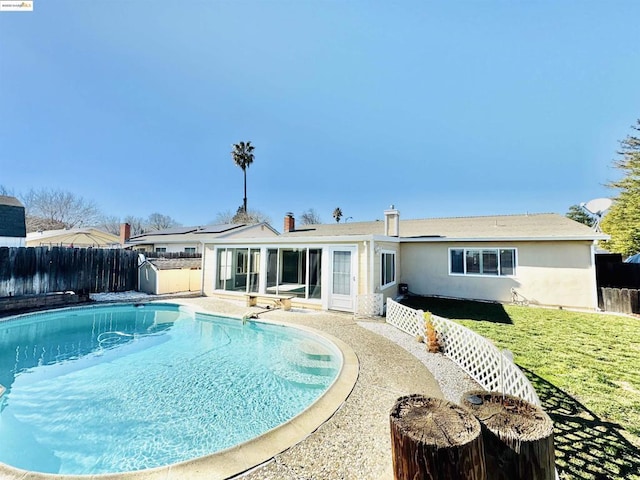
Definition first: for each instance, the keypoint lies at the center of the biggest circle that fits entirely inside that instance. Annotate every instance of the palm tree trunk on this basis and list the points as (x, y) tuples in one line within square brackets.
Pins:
[(244, 203)]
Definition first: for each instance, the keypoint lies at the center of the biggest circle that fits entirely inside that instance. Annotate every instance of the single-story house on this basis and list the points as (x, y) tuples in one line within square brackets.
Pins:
[(13, 229), (172, 275), (191, 239), (74, 238), (547, 259)]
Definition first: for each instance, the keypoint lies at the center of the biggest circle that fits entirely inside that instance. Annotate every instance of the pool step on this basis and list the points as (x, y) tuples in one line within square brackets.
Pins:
[(306, 364), (303, 364), (314, 351), (299, 379)]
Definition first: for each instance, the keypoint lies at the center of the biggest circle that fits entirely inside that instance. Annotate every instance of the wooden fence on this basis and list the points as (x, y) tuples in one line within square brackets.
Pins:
[(621, 300), (618, 284), (38, 270)]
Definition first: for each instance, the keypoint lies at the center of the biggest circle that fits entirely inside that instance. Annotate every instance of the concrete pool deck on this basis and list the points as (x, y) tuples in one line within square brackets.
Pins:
[(352, 442)]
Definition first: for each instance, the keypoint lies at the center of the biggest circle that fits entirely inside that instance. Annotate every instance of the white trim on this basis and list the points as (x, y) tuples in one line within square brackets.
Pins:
[(351, 239), (353, 281), (503, 239), (483, 275), (395, 268)]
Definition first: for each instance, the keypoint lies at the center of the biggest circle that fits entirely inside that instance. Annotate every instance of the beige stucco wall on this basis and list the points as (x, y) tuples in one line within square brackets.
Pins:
[(558, 273)]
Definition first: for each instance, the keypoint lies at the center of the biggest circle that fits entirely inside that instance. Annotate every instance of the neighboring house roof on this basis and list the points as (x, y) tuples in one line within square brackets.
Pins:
[(199, 233), (12, 222), (76, 237), (547, 226), (175, 263)]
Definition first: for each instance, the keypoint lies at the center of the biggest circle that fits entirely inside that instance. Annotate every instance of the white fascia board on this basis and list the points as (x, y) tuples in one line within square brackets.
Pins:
[(502, 239), (172, 242), (291, 240)]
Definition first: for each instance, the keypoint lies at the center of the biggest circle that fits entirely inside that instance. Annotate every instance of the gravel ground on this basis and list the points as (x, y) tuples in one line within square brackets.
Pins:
[(452, 379)]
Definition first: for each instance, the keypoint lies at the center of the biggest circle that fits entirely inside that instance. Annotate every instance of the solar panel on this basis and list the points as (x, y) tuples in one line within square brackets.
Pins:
[(220, 228)]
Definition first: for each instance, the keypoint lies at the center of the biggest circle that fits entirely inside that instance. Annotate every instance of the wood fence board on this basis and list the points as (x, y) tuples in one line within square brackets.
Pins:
[(38, 270)]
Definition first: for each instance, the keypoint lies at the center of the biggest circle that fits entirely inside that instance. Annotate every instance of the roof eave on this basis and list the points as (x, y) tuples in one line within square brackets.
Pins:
[(547, 238)]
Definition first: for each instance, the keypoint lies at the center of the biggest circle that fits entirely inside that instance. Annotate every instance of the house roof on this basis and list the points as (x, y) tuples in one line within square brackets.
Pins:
[(194, 234), (12, 221), (175, 263), (78, 237), (497, 227)]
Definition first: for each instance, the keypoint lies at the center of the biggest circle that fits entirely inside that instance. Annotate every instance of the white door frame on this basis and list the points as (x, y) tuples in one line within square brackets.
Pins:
[(339, 301)]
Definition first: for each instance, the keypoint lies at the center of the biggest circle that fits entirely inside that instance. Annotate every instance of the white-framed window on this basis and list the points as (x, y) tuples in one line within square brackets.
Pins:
[(490, 262), (387, 268), (161, 249), (189, 249)]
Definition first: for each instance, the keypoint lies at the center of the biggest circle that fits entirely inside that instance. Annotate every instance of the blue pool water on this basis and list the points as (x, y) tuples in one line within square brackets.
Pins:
[(123, 388)]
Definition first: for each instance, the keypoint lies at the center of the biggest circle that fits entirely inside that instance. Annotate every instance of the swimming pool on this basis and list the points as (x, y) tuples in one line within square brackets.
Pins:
[(125, 388)]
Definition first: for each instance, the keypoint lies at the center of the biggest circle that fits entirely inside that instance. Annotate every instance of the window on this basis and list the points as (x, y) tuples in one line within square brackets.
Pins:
[(294, 271), (496, 262), (189, 249), (161, 249), (238, 269), (388, 269), (290, 271)]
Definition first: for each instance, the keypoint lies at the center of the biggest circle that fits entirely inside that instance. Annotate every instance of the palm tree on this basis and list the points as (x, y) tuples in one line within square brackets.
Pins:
[(242, 155), (337, 214)]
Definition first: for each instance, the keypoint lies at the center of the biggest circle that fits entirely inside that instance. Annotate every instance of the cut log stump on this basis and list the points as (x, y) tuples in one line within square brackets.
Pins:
[(436, 440), (517, 435)]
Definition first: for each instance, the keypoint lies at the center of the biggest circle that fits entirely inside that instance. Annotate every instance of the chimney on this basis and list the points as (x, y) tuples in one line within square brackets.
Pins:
[(289, 223), (125, 233), (392, 222)]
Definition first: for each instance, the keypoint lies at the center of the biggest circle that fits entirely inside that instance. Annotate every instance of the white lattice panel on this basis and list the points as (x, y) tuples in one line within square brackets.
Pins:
[(370, 304), (406, 319), (476, 355)]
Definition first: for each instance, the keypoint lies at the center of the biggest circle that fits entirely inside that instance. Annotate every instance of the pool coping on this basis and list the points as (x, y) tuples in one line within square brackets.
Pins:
[(246, 456)]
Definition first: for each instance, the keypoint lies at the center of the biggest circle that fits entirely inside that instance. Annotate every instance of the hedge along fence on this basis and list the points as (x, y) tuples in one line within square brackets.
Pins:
[(39, 270), (492, 369)]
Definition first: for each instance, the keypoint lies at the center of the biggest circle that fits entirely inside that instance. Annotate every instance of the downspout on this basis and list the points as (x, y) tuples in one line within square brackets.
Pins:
[(366, 270), (204, 249), (595, 276), (372, 255)]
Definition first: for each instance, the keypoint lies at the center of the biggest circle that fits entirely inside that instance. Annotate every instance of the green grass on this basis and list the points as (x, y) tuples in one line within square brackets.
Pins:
[(586, 370)]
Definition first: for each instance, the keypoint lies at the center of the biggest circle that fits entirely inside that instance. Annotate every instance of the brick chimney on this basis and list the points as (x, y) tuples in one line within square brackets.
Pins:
[(289, 223), (125, 233), (392, 222)]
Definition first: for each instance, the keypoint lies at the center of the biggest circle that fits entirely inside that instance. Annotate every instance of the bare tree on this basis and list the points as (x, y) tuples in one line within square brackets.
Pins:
[(223, 218), (158, 221), (6, 191), (138, 224), (110, 224), (310, 217), (48, 209), (252, 216)]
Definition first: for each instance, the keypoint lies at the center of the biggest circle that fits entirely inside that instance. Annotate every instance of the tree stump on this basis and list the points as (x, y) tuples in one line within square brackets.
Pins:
[(517, 435), (436, 440)]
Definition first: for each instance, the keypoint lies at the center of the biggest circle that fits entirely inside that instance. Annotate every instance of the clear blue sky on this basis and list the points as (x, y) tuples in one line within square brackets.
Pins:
[(443, 108)]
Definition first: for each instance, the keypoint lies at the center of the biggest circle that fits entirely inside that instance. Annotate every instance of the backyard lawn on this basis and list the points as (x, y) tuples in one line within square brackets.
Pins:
[(586, 370)]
